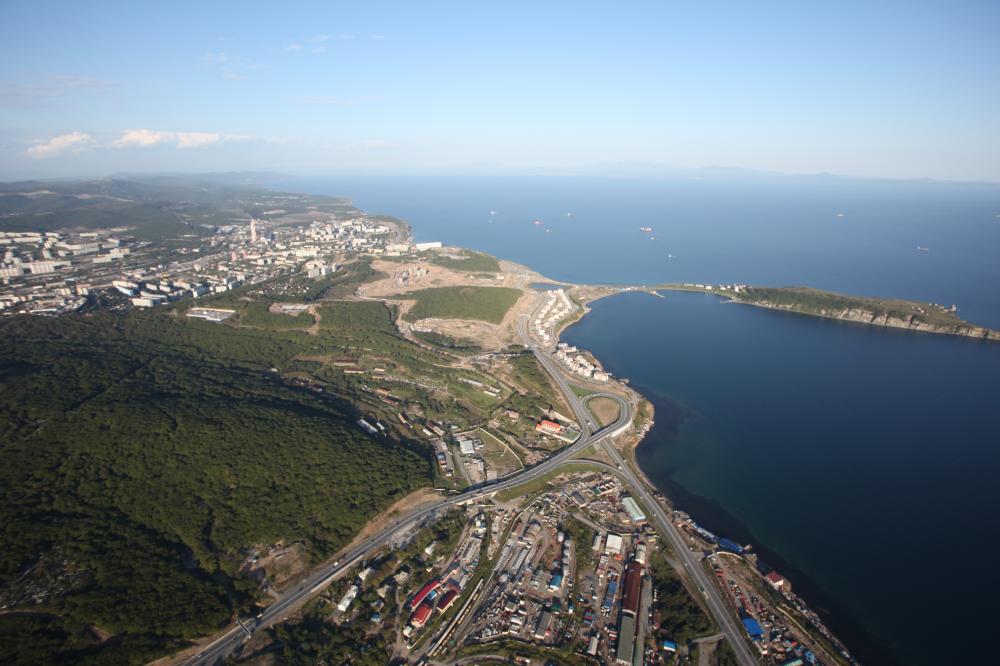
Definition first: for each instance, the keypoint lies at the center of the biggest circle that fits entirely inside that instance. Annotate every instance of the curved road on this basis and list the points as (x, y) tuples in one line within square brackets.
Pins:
[(692, 566), (289, 601)]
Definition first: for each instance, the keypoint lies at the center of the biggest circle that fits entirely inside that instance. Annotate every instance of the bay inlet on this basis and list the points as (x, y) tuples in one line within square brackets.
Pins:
[(861, 461)]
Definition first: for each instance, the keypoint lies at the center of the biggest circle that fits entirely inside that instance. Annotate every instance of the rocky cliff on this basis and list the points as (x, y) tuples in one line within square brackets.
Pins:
[(875, 318)]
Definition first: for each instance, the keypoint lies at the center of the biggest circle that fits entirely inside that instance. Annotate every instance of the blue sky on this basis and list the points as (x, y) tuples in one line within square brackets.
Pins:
[(893, 89)]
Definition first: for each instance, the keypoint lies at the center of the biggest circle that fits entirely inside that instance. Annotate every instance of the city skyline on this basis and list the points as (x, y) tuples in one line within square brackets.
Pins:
[(887, 91)]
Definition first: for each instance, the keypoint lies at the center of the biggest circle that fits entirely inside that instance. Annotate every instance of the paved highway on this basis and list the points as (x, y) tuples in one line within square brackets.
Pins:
[(692, 566), (290, 600)]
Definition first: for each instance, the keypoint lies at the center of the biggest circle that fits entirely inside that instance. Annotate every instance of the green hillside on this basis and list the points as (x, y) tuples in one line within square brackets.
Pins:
[(480, 303), (144, 456)]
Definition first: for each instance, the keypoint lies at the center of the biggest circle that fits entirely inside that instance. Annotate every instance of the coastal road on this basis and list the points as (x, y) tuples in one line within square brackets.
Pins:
[(692, 566)]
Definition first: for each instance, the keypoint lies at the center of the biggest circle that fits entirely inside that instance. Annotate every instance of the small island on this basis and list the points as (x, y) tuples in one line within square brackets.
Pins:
[(889, 312)]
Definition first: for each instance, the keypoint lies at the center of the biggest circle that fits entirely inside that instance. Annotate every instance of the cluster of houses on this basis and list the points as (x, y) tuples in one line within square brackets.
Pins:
[(579, 363)]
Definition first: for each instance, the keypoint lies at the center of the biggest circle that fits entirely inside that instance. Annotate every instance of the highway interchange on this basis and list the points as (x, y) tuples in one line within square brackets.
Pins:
[(291, 599)]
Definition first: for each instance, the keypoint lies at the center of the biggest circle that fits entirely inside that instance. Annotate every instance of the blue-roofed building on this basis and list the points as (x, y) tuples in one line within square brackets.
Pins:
[(731, 546), (669, 646), (753, 628)]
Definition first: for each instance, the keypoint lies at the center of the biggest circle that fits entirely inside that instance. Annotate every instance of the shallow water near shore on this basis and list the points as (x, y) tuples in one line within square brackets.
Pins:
[(860, 461)]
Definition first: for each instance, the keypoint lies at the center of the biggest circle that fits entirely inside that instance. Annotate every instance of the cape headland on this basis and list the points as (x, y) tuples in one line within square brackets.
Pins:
[(876, 311)]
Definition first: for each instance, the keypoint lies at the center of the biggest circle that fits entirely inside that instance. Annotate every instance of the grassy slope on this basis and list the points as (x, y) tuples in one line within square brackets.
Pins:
[(480, 303), (472, 262)]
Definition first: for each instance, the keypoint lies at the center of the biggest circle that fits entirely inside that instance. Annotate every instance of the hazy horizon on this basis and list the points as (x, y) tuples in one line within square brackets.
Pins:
[(642, 171)]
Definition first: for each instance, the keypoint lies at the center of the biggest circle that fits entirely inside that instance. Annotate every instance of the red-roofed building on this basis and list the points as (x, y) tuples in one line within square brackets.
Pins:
[(632, 588), (424, 591), (447, 599), (778, 581), (549, 426), (419, 617)]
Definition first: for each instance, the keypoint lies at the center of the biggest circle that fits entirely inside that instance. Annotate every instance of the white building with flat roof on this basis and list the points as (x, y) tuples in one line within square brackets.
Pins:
[(613, 544)]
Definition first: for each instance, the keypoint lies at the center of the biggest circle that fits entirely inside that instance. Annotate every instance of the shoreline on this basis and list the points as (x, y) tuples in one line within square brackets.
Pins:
[(859, 313), (715, 517), (975, 332), (675, 498)]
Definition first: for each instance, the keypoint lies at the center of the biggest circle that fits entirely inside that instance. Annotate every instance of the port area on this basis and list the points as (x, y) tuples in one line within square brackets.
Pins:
[(778, 622)]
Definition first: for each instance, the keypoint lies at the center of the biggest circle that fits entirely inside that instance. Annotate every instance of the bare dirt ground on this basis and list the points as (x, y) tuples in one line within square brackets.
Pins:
[(589, 294), (486, 335), (605, 409), (314, 311), (489, 336), (284, 564), (409, 502), (706, 649)]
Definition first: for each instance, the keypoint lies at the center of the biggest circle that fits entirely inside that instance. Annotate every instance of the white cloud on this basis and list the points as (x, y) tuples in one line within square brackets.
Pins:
[(319, 49), (293, 47), (197, 139), (72, 142), (143, 138), (146, 138)]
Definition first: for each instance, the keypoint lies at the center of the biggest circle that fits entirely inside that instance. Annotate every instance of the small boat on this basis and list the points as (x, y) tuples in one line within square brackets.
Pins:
[(921, 248), (840, 215), (569, 214), (493, 212), (538, 223), (645, 230), (671, 256)]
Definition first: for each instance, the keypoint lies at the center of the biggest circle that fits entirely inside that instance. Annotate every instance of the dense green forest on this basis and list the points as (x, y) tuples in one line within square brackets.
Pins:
[(680, 617), (314, 640), (145, 456)]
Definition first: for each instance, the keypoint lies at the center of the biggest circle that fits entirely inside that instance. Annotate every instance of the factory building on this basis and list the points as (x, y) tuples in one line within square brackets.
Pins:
[(635, 514), (626, 640), (632, 588), (613, 544)]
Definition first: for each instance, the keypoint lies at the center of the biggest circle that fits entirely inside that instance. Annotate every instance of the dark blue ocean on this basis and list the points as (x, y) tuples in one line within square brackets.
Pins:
[(861, 462)]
